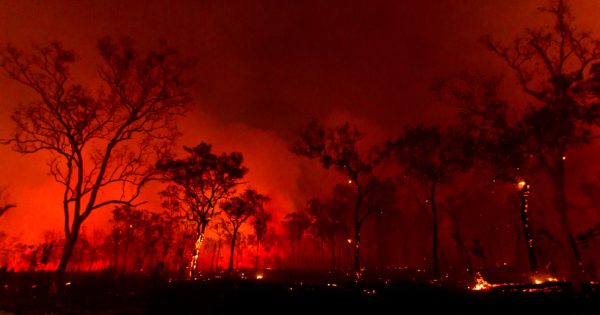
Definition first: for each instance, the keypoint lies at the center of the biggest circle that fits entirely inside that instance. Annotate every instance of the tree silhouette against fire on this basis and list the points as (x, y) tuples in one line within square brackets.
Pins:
[(105, 143)]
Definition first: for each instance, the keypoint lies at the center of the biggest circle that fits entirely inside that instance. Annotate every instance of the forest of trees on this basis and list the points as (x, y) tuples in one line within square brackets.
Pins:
[(491, 192)]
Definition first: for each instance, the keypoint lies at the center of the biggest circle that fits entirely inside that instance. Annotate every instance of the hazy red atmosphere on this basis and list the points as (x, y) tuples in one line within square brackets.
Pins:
[(262, 72), (265, 69)]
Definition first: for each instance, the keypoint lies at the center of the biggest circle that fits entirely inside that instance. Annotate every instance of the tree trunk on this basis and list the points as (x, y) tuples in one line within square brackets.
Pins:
[(197, 246), (218, 256), (233, 237), (70, 243), (323, 261), (524, 209), (126, 252), (257, 254), (574, 261), (212, 260), (357, 226), (357, 269), (333, 266), (298, 258), (434, 243)]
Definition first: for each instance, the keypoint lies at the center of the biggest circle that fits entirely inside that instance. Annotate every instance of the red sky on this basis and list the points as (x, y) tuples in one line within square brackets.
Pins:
[(266, 68)]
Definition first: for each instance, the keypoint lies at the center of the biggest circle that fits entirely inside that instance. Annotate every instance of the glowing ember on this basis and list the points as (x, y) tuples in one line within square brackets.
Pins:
[(480, 283), (544, 279), (259, 277), (349, 241), (521, 184)]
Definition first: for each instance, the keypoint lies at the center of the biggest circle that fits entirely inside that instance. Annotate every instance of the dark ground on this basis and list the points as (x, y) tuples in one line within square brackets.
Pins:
[(101, 293)]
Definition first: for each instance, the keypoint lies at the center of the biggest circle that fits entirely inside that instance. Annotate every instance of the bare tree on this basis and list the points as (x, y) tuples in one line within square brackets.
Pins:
[(200, 182), (552, 65), (238, 210), (100, 139)]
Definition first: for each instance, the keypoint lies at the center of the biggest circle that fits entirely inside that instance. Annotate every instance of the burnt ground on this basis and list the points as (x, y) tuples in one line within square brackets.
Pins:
[(101, 293)]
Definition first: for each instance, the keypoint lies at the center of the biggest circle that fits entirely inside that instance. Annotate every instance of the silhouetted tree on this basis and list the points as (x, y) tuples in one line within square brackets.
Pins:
[(502, 143), (99, 140), (338, 147), (199, 182), (434, 157), (552, 65), (260, 223), (296, 223), (322, 224), (381, 201), (125, 224), (238, 210)]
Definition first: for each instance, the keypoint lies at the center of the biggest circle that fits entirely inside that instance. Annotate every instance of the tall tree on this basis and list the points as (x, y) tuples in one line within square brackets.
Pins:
[(434, 157), (337, 147), (296, 224), (238, 210), (502, 143), (260, 224), (199, 182), (325, 223), (100, 139), (551, 65)]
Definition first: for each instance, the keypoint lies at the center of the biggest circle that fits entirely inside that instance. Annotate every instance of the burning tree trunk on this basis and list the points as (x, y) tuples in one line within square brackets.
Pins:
[(529, 242), (197, 245), (199, 182), (557, 66), (357, 269), (357, 226)]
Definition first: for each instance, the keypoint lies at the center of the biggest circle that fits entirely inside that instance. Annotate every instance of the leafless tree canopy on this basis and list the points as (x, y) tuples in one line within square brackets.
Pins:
[(103, 140)]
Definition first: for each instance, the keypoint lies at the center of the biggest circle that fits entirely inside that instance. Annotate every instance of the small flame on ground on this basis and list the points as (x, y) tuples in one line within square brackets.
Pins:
[(259, 277), (544, 279), (480, 283)]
